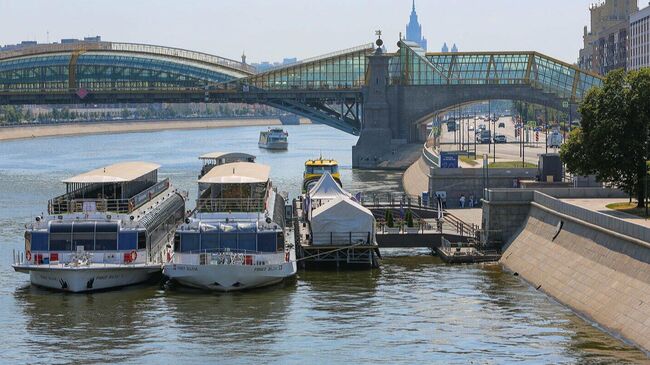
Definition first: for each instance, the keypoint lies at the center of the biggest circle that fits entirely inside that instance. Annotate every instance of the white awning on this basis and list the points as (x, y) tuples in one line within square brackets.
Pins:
[(237, 173), (327, 188), (338, 217), (227, 155), (116, 173)]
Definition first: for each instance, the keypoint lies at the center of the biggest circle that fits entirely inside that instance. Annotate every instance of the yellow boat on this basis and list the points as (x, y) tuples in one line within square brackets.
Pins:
[(315, 168)]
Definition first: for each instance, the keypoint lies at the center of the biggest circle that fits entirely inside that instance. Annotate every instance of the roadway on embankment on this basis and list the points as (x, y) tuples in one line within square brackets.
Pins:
[(84, 128), (509, 151)]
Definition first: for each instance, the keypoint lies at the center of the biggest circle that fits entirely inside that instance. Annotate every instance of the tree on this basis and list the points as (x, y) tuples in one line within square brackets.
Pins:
[(409, 218), (612, 142)]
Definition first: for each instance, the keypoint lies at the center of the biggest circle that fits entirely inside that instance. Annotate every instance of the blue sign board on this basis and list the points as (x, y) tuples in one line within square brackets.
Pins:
[(448, 160)]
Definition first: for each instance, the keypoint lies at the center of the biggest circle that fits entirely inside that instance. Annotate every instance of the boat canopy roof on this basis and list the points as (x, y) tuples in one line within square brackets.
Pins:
[(228, 156), (115, 173), (327, 188), (237, 173)]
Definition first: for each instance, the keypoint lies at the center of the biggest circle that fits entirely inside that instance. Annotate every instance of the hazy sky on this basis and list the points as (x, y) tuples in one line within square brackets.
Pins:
[(273, 29)]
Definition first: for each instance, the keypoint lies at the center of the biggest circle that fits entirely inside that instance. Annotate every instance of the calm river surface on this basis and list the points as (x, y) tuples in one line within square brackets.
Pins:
[(413, 310)]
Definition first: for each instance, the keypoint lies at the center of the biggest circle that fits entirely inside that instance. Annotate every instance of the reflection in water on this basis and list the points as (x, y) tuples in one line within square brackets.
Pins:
[(414, 309), (100, 327)]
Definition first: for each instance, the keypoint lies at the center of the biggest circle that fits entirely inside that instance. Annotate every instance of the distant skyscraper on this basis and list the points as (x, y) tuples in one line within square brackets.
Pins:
[(454, 49), (414, 30), (445, 49)]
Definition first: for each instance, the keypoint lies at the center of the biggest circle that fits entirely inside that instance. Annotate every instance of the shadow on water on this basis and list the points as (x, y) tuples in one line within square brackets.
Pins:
[(96, 327)]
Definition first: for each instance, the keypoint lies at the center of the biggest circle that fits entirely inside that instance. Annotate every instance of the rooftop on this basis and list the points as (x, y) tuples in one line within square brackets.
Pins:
[(237, 173), (119, 172)]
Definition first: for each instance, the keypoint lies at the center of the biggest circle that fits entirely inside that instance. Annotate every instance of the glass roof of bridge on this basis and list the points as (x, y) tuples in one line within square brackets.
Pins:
[(99, 70), (340, 70), (412, 66)]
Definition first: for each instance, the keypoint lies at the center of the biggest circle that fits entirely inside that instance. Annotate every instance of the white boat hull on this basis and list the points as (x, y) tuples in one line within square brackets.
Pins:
[(87, 279), (229, 277)]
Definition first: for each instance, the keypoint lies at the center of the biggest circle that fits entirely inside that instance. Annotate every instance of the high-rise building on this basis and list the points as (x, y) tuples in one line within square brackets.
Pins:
[(639, 40), (444, 49), (605, 45), (454, 49), (414, 30)]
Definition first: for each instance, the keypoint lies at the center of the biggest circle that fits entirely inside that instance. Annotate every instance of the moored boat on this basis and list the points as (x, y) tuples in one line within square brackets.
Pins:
[(316, 168), (113, 227), (235, 237), (274, 139)]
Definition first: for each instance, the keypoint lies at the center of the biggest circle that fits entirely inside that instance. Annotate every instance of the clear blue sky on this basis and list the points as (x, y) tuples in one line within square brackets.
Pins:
[(273, 29)]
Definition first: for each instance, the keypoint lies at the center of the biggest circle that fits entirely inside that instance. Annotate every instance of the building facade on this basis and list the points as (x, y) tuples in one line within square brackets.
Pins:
[(414, 30), (605, 44), (639, 40)]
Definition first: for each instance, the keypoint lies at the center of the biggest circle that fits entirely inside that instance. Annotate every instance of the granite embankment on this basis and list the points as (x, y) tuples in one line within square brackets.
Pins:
[(596, 264), (49, 130)]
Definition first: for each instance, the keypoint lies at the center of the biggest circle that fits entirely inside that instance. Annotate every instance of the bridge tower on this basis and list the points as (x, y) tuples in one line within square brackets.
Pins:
[(375, 135)]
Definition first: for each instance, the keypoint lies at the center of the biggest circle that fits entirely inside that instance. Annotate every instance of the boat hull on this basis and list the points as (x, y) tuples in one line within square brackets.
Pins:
[(87, 279), (274, 145), (229, 277)]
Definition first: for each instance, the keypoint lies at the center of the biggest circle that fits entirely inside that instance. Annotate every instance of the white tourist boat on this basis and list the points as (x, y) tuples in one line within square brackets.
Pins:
[(235, 237), (113, 227), (274, 139)]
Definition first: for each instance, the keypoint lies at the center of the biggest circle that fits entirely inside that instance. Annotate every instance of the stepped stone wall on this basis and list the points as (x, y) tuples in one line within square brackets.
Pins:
[(597, 265)]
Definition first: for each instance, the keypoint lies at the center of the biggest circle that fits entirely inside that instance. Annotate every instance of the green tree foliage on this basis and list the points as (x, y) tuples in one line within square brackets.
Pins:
[(388, 216), (612, 142), (409, 218)]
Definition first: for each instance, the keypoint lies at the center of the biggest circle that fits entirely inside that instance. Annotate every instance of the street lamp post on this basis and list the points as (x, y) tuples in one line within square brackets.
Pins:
[(494, 150)]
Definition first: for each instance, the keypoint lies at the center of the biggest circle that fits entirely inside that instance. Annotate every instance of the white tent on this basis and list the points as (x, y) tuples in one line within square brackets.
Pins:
[(342, 221), (327, 189)]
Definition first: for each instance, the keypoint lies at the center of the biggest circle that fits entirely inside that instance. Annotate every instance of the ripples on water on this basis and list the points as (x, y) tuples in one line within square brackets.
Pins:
[(413, 310)]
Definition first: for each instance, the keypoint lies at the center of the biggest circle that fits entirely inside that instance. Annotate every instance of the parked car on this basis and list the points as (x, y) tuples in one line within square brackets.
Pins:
[(500, 138)]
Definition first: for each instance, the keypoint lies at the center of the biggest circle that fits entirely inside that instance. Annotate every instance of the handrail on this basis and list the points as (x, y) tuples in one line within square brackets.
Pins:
[(230, 205)]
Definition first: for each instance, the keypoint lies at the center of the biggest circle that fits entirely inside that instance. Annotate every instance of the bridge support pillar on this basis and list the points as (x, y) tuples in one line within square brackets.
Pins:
[(375, 135)]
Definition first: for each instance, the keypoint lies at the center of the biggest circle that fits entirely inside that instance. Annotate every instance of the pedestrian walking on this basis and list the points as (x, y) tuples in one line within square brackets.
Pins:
[(462, 200)]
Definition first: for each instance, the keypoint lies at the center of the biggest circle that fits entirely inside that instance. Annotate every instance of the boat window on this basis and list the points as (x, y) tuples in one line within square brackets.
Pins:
[(189, 242), (106, 237), (247, 241), (142, 240), (127, 241), (334, 169), (83, 234), (39, 241), (310, 169), (229, 240), (177, 242), (280, 241), (266, 242), (210, 241), (61, 237)]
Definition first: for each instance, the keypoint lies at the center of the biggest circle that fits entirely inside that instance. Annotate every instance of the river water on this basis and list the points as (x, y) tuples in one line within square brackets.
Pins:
[(413, 310)]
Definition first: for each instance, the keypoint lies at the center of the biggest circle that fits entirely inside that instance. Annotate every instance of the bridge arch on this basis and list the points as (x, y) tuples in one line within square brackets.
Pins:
[(110, 66)]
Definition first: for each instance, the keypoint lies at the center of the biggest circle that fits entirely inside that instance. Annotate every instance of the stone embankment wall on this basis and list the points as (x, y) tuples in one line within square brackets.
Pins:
[(596, 264)]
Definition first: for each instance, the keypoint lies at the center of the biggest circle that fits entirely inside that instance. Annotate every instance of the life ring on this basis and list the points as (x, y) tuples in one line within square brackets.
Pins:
[(134, 255), (28, 255)]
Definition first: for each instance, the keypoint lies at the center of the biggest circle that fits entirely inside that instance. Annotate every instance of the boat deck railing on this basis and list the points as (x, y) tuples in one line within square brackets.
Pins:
[(230, 204), (67, 203), (341, 238), (77, 259), (234, 257)]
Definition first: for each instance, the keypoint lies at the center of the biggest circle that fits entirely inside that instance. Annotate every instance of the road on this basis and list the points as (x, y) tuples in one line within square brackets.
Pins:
[(510, 151)]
